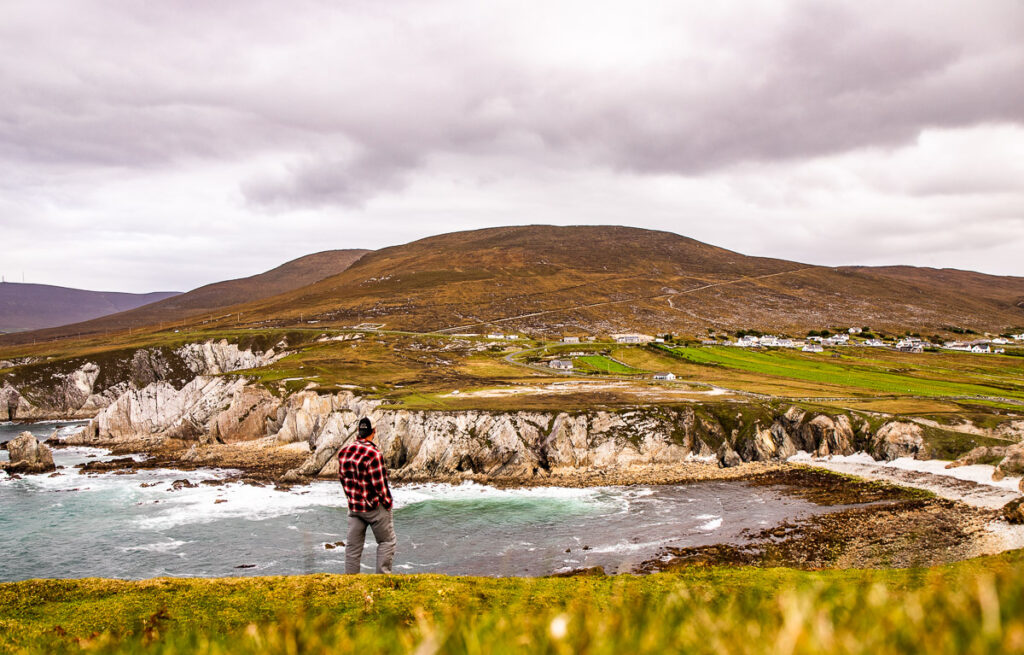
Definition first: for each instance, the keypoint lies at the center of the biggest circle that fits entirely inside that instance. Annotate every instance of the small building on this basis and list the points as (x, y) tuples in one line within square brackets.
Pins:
[(874, 343), (570, 339), (981, 348), (664, 376), (910, 348), (855, 330), (495, 336), (1000, 341), (632, 338), (813, 348), (561, 364)]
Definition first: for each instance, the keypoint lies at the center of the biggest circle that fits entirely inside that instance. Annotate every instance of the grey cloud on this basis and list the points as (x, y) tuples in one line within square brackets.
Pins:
[(162, 87), (328, 181)]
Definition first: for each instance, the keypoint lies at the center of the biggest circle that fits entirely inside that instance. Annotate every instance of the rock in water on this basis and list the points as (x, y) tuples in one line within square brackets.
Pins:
[(1013, 511), (28, 456), (1012, 464)]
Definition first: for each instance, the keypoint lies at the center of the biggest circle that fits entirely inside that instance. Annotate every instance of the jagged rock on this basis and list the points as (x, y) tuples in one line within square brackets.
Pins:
[(1013, 511), (1012, 464), (182, 484), (94, 385), (246, 416), (828, 436), (727, 457), (28, 455), (896, 439), (977, 455)]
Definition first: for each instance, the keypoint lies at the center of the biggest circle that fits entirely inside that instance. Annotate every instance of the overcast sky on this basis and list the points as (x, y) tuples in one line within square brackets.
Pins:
[(163, 145)]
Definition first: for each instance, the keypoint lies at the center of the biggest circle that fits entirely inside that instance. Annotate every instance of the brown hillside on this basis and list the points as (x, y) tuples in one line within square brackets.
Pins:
[(604, 279), (210, 298)]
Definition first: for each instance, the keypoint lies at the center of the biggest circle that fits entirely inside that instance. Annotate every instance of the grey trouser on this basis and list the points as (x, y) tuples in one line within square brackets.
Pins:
[(383, 527)]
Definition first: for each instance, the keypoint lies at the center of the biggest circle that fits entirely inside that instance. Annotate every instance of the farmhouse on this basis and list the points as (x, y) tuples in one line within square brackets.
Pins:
[(855, 330), (570, 339), (981, 348), (874, 343), (813, 348), (561, 364), (664, 376), (910, 348), (495, 336)]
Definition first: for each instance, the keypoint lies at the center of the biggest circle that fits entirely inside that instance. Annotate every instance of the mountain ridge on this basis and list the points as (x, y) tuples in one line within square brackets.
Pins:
[(208, 298), (613, 278), (548, 280), (30, 306)]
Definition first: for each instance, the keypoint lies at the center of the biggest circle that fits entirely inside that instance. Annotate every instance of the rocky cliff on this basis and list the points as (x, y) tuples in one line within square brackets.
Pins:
[(428, 444), (80, 387)]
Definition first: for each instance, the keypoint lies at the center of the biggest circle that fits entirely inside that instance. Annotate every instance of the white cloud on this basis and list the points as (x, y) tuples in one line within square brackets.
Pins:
[(165, 145)]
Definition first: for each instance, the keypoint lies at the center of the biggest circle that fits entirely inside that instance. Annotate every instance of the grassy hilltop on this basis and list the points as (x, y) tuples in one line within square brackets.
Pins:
[(972, 607)]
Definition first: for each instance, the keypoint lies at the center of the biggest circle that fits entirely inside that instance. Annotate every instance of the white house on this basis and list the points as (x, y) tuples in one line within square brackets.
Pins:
[(981, 348), (874, 343), (999, 351), (632, 338), (1000, 341), (664, 376), (495, 336), (561, 364), (570, 339), (813, 348), (1019, 337), (786, 343), (910, 348), (855, 330)]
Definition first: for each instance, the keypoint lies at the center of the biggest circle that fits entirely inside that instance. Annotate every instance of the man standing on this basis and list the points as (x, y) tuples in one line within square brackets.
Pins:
[(365, 481)]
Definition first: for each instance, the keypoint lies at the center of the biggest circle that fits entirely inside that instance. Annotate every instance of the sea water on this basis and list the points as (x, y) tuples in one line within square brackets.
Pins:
[(135, 526)]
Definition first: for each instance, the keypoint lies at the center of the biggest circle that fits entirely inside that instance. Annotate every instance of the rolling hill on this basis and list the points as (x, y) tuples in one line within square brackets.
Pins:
[(35, 306), (210, 298), (550, 280), (585, 279)]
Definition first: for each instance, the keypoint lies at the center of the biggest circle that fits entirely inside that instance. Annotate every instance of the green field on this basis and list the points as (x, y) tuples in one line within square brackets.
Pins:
[(972, 607), (918, 375), (603, 364)]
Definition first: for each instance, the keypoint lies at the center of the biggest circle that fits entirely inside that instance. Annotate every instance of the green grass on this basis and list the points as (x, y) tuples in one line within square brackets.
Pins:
[(860, 373), (971, 607), (603, 364)]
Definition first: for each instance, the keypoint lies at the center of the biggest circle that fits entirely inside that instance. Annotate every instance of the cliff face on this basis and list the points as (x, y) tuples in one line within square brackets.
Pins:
[(82, 386), (425, 444)]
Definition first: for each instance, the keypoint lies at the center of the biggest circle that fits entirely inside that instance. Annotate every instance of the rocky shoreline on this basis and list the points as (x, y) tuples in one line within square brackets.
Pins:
[(877, 524)]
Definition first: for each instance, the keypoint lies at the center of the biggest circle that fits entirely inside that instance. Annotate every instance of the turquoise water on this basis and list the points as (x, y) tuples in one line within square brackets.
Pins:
[(109, 525)]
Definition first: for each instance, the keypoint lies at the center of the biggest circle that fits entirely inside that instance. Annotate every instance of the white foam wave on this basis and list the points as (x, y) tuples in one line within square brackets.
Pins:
[(711, 526), (158, 547)]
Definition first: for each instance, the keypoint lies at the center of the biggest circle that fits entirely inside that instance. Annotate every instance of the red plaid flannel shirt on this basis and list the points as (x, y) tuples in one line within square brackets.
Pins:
[(363, 476)]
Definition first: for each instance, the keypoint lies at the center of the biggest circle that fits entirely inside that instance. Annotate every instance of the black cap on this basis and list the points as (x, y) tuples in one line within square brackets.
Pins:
[(365, 428)]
